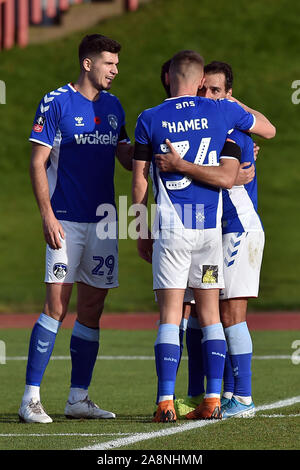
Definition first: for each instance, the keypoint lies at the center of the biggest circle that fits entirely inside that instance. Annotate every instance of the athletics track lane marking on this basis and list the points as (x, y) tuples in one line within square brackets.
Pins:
[(125, 441)]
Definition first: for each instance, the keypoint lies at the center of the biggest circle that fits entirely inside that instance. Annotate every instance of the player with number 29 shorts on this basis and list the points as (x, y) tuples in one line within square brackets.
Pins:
[(83, 137)]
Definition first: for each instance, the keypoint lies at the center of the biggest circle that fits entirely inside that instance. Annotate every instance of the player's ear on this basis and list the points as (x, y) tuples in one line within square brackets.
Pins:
[(229, 93), (86, 64), (167, 78), (201, 83)]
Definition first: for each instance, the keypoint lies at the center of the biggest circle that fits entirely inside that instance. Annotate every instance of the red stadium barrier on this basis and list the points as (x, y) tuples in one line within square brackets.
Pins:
[(36, 11), (8, 34), (22, 22), (17, 15), (132, 5), (63, 5), (51, 10)]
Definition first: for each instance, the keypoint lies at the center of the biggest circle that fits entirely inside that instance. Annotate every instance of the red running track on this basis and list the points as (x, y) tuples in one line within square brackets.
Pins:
[(148, 321)]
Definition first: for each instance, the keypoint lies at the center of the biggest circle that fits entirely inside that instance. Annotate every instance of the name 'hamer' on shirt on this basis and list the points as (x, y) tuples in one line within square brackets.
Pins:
[(186, 125)]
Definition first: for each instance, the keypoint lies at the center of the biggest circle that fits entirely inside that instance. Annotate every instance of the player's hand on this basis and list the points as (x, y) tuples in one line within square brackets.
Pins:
[(168, 161), (256, 150), (245, 175), (145, 248), (53, 232)]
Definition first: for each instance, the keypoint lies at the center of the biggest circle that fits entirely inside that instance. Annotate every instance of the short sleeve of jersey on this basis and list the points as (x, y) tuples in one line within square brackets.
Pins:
[(236, 116), (237, 137), (123, 136), (245, 142), (45, 122), (142, 130)]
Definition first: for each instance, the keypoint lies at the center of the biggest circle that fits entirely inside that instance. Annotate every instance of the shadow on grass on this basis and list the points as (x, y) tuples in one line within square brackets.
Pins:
[(13, 418)]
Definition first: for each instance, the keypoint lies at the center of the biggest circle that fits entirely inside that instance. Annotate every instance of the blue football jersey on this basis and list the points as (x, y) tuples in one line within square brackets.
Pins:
[(240, 202), (83, 136), (197, 128)]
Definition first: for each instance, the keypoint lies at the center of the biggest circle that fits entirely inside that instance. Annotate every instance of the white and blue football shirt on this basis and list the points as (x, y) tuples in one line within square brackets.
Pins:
[(240, 202), (197, 128), (83, 136)]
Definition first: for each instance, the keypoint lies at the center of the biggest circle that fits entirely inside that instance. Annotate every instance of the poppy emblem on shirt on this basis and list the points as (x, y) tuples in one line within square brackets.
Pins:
[(97, 120)]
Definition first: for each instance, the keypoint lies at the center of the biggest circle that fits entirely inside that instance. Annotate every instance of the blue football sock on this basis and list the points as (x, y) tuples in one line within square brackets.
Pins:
[(228, 380), (40, 348), (84, 348), (195, 359), (240, 350), (182, 330), (167, 353), (214, 351)]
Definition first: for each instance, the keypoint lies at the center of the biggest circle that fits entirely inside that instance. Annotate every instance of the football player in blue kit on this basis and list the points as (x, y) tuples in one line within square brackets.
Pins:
[(243, 242), (187, 248), (78, 130)]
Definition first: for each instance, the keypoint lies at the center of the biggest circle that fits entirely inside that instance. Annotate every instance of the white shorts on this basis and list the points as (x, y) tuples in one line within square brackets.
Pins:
[(83, 258), (243, 254), (186, 257)]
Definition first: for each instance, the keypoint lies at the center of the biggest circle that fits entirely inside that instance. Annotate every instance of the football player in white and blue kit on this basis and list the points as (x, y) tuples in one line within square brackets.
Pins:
[(78, 130), (243, 244), (187, 250), (243, 241)]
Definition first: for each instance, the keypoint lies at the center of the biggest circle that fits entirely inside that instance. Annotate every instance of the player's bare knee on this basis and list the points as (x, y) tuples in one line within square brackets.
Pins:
[(233, 311), (55, 313)]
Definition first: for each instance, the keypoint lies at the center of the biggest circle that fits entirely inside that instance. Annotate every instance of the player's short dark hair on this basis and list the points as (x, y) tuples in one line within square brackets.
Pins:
[(165, 69), (186, 57), (221, 67), (93, 44)]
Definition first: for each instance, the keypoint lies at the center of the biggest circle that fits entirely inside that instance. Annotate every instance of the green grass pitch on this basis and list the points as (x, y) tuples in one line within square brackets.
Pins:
[(127, 386)]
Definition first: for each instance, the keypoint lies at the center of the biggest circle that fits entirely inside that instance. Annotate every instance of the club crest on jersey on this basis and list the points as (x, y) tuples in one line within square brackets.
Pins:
[(113, 121), (39, 124), (60, 270), (209, 274)]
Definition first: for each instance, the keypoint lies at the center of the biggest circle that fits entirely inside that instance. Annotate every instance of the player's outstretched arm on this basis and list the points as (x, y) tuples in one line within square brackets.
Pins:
[(262, 126), (38, 173), (222, 176), (140, 173), (124, 154), (140, 196)]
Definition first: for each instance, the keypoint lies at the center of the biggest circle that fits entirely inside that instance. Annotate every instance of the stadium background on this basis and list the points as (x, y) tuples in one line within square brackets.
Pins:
[(259, 39)]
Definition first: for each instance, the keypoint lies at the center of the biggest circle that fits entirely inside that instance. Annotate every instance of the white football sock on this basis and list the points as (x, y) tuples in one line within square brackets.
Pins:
[(243, 400), (77, 394), (31, 391)]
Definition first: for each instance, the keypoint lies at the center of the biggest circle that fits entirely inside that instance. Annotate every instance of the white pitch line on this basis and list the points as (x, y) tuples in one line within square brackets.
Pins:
[(145, 436), (279, 416), (138, 358), (123, 442), (279, 404), (68, 434), (121, 433), (267, 358), (148, 435)]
